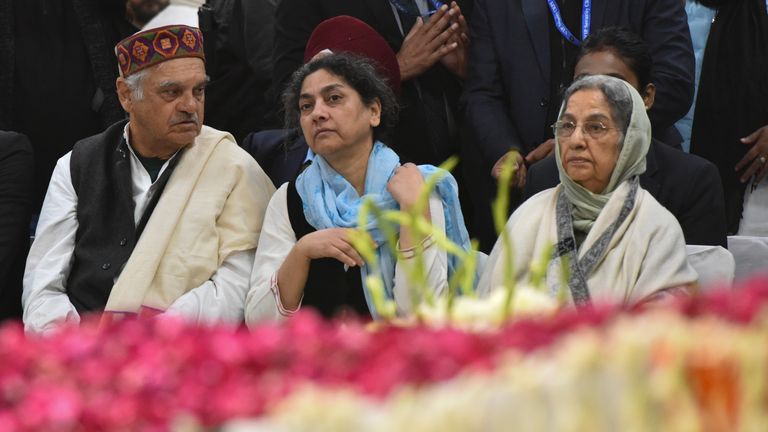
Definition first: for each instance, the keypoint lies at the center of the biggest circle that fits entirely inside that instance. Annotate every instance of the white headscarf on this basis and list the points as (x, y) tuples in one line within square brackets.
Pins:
[(631, 160)]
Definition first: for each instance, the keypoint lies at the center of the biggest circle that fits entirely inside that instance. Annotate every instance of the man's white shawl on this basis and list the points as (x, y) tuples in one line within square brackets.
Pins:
[(212, 206)]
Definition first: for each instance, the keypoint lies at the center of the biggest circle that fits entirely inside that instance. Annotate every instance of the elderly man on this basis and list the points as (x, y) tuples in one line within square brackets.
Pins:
[(155, 214)]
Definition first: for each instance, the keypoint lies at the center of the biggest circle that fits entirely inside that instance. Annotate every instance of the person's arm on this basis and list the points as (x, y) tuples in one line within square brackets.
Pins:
[(294, 22), (487, 110), (665, 261), (44, 299), (325, 243), (665, 30), (276, 241), (239, 222), (16, 190), (435, 264), (703, 216), (282, 263), (221, 298), (406, 186)]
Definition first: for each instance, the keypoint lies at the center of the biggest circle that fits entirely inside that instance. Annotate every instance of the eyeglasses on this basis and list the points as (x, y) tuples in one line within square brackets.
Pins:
[(594, 129)]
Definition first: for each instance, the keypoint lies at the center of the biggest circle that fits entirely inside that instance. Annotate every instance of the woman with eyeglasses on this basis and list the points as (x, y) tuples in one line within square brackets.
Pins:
[(620, 244)]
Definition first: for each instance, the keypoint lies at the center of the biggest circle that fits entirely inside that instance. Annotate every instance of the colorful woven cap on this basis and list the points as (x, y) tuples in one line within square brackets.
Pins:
[(151, 47), (347, 34)]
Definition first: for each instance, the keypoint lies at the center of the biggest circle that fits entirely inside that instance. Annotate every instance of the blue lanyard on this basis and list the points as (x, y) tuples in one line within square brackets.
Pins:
[(436, 4), (586, 16)]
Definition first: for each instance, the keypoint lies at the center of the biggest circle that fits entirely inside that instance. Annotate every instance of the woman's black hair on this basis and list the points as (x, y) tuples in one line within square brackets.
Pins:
[(360, 74), (627, 45)]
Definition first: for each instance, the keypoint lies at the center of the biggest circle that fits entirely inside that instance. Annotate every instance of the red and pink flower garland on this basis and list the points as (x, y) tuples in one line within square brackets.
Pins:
[(145, 375)]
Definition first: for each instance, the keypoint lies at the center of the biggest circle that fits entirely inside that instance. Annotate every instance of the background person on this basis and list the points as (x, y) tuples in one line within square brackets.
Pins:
[(430, 38), (621, 244), (16, 197), (57, 74), (730, 123)]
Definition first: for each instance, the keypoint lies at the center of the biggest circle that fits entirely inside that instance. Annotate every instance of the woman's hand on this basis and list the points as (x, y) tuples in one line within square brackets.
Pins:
[(756, 159), (405, 186), (329, 243)]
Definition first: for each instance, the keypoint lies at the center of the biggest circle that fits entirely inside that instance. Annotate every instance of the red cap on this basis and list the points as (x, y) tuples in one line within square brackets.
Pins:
[(347, 34)]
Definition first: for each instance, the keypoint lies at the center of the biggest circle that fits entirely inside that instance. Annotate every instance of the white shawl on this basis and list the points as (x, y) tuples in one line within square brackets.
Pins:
[(646, 254), (212, 206)]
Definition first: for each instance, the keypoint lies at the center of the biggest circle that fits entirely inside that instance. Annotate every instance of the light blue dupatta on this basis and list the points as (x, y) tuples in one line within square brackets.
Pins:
[(330, 201)]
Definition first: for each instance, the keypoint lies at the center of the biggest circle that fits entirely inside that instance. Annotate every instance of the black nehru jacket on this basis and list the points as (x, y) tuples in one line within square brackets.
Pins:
[(106, 234), (329, 288)]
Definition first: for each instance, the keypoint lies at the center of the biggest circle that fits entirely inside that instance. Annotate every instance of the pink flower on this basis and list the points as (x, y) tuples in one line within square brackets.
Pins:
[(144, 374)]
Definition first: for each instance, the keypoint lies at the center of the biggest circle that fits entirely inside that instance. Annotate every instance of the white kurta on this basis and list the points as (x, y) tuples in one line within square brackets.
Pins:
[(277, 239), (45, 300), (754, 217), (647, 253)]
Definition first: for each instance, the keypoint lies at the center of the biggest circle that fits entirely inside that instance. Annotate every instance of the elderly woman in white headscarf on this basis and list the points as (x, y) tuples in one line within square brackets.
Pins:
[(621, 245)]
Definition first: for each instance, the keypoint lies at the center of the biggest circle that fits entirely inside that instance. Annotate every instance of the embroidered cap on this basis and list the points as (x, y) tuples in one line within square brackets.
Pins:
[(151, 47), (350, 35)]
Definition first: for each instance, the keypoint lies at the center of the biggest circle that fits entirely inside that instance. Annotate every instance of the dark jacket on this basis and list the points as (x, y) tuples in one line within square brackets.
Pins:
[(508, 87), (296, 19), (280, 162), (57, 74), (238, 51), (686, 185), (107, 233), (16, 191), (731, 103)]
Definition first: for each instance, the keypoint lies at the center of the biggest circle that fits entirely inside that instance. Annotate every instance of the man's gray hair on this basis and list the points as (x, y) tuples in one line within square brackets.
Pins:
[(616, 93), (135, 83)]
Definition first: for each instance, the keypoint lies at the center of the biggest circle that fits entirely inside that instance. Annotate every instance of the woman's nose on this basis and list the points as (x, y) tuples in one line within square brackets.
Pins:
[(577, 138), (320, 111)]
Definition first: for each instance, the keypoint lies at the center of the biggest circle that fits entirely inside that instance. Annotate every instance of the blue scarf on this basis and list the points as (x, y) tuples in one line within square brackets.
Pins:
[(330, 201)]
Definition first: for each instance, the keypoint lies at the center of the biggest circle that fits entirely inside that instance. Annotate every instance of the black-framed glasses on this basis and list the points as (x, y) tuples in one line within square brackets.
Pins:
[(594, 129)]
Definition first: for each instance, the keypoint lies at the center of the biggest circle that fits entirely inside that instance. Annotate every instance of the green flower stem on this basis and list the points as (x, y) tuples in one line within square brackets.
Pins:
[(500, 209)]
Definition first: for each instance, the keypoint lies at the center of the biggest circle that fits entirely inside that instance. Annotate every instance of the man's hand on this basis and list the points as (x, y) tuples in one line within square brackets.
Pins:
[(456, 60), (330, 243), (755, 161), (540, 152), (427, 43), (405, 185), (518, 180)]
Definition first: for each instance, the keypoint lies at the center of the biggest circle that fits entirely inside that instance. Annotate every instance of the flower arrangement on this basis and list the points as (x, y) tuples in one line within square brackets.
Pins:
[(706, 360), (461, 306), (652, 372)]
